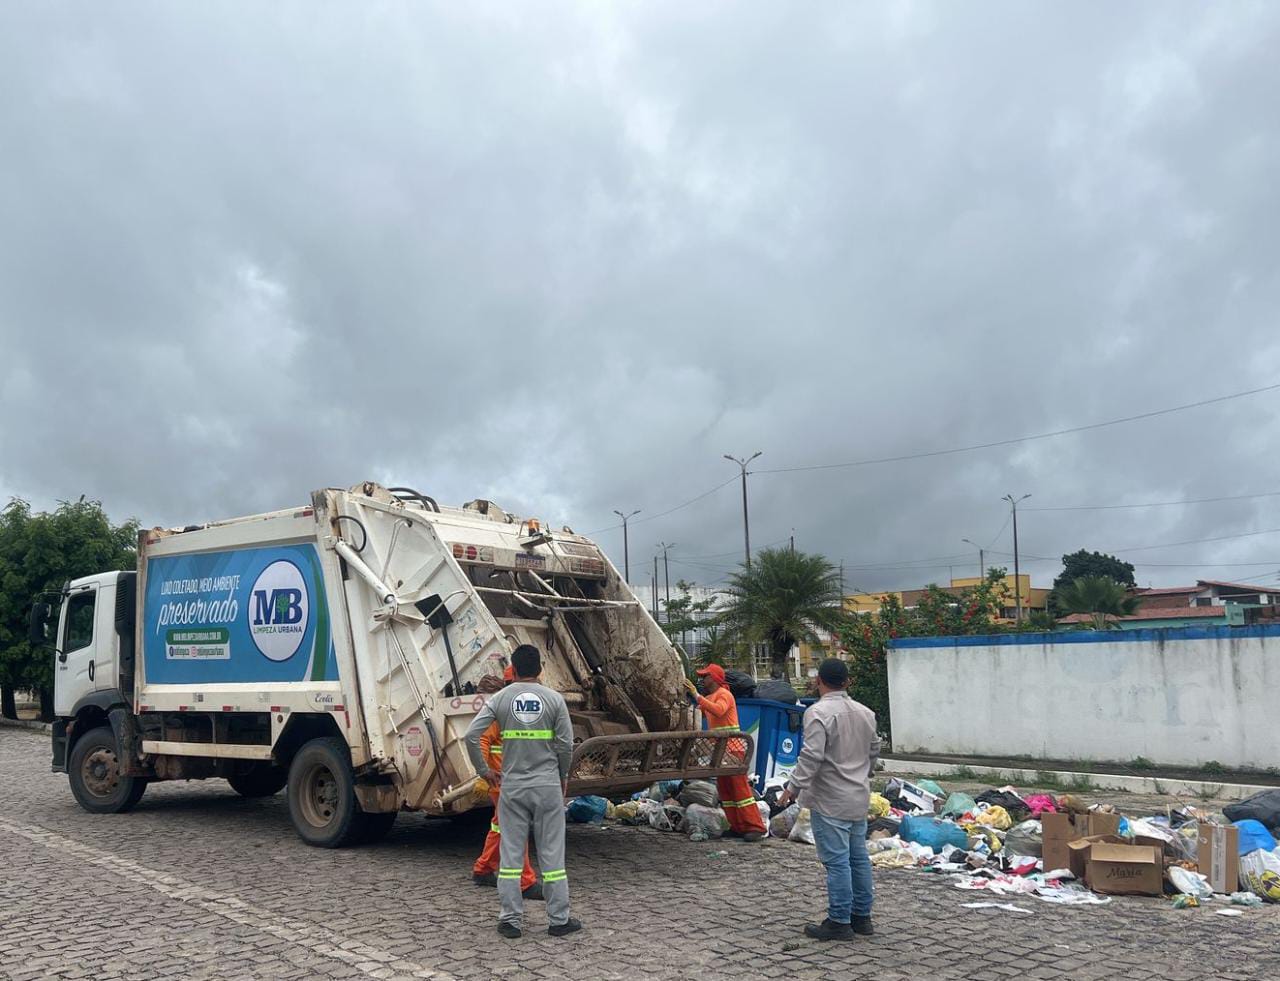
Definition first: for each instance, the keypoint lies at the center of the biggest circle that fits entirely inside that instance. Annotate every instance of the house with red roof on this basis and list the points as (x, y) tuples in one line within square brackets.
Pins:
[(1208, 602)]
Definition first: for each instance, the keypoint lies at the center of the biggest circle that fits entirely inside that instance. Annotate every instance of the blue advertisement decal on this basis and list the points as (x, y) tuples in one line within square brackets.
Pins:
[(243, 615)]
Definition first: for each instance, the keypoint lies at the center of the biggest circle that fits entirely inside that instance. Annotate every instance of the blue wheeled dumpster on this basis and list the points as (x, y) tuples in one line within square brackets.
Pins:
[(778, 728)]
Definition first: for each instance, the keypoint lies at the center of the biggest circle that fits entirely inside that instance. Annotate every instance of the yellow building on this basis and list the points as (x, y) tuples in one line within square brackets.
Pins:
[(1033, 597)]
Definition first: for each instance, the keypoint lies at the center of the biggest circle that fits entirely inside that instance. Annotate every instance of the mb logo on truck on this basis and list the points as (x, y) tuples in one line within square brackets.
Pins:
[(278, 610)]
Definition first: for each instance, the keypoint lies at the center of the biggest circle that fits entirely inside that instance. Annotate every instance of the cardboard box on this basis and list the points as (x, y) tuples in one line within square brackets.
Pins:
[(1059, 830), (1217, 856), (1078, 853), (1136, 870)]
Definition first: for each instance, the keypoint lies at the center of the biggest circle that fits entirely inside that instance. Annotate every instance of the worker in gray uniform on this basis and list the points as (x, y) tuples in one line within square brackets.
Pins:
[(537, 748)]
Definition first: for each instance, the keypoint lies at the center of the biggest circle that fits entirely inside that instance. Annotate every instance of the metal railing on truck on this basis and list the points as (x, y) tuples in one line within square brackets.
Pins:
[(607, 765)]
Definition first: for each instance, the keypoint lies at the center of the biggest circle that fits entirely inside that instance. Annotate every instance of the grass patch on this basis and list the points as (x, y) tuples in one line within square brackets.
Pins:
[(1207, 793), (1048, 778), (1141, 763), (1213, 766), (1160, 788), (1080, 783)]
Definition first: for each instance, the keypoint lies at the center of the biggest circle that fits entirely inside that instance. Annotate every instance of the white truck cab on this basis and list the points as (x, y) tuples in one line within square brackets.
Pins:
[(95, 629)]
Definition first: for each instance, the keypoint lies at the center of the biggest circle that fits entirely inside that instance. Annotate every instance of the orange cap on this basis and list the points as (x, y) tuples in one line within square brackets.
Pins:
[(509, 673), (713, 671)]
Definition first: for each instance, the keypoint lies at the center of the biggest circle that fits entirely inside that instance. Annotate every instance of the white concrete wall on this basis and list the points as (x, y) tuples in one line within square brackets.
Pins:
[(1177, 697)]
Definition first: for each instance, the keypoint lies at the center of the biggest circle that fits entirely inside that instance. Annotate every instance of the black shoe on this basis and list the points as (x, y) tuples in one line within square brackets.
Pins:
[(564, 929), (862, 925), (509, 931), (752, 836), (534, 892), (732, 834), (828, 930), (484, 878)]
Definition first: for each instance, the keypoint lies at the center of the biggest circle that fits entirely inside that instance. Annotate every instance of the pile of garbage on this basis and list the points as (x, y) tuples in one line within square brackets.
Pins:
[(690, 807), (1055, 848), (1062, 851)]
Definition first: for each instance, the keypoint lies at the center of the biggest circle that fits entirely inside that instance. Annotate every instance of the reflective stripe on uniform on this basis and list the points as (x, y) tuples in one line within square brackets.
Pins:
[(494, 829), (738, 803), (528, 734), (555, 875), (510, 873), (725, 729)]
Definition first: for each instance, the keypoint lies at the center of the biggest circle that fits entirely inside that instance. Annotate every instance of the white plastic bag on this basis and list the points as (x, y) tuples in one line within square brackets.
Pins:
[(783, 821), (704, 822), (668, 817), (1190, 883), (1260, 871), (802, 830)]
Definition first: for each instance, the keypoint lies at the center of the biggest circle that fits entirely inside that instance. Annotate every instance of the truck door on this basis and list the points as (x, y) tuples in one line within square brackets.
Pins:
[(74, 668)]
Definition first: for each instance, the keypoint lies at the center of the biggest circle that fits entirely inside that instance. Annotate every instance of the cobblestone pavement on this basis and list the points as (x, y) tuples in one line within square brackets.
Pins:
[(199, 883)]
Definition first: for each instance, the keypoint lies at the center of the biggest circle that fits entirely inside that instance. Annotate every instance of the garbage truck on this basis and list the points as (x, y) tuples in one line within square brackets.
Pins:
[(341, 649)]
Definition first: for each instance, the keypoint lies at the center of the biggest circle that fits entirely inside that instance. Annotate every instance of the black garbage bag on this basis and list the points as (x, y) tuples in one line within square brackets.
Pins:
[(1263, 806), (777, 690), (740, 683), (1012, 803)]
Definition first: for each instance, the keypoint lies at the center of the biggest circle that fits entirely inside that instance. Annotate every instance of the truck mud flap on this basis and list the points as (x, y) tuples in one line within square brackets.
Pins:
[(611, 765)]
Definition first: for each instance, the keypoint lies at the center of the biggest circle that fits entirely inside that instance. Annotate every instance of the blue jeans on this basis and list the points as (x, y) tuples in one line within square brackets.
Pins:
[(842, 848)]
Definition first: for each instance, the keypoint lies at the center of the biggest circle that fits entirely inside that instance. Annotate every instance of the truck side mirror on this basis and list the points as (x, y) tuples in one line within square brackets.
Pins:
[(39, 619)]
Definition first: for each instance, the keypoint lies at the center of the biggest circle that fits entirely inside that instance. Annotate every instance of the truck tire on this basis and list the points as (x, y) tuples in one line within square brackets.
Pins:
[(258, 779), (322, 797), (95, 775)]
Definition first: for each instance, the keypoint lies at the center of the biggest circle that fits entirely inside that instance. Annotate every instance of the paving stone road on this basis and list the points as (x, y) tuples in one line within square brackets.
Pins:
[(199, 883)]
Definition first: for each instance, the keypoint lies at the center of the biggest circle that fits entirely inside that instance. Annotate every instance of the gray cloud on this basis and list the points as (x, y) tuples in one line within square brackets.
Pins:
[(567, 256)]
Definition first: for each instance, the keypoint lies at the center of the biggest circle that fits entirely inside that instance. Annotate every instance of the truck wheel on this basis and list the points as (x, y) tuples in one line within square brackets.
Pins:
[(376, 825), (258, 779), (95, 775), (322, 798)]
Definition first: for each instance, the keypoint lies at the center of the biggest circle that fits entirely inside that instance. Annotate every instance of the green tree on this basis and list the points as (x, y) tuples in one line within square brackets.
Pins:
[(1077, 565), (684, 613), (40, 552), (782, 599), (1098, 596)]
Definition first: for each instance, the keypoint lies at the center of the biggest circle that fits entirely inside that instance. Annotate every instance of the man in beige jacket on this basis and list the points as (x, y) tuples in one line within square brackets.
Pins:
[(833, 779)]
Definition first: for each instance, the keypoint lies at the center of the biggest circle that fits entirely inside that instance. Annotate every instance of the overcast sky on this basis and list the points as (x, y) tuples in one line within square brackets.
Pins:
[(566, 256)]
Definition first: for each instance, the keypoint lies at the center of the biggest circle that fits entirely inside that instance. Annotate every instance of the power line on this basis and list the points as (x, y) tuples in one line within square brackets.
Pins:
[(1025, 439), (663, 514), (1157, 504), (958, 449)]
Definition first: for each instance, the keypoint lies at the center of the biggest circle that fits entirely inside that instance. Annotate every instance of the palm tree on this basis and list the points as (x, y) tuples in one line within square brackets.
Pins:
[(1098, 596), (782, 599)]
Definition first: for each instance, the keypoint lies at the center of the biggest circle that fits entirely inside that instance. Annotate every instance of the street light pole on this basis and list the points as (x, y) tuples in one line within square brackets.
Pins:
[(626, 550), (746, 523), (1017, 580), (982, 561), (666, 570)]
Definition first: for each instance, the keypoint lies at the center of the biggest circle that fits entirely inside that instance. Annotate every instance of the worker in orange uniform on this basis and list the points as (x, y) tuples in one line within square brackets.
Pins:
[(736, 795), (485, 871)]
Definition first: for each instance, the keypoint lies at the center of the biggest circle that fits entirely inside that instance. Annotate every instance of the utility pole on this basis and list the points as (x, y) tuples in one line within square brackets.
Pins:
[(746, 523), (626, 551), (982, 558), (793, 541), (1017, 581), (655, 587), (666, 569)]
